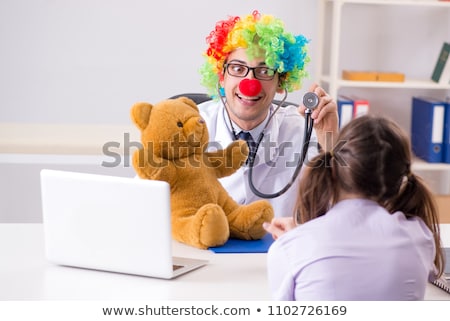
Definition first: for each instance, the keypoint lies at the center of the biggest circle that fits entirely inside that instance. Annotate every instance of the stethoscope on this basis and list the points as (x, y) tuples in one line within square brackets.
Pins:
[(252, 87)]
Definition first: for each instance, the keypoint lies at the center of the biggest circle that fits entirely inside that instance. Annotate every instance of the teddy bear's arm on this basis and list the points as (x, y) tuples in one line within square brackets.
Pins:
[(149, 166), (229, 160)]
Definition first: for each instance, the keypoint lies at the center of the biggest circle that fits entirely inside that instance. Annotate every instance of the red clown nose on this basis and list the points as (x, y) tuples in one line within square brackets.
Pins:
[(250, 87)]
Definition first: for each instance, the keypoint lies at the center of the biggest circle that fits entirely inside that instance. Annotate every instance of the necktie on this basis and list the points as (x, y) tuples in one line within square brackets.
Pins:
[(250, 142)]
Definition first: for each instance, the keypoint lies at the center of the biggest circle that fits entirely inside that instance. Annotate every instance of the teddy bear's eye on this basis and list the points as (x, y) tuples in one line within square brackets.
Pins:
[(179, 124)]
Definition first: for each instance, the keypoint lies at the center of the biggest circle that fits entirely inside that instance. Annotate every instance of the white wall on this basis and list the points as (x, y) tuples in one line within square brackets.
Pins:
[(88, 61), (404, 39), (20, 188)]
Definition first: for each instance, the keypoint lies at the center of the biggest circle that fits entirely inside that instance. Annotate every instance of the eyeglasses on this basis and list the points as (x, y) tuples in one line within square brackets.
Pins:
[(241, 71)]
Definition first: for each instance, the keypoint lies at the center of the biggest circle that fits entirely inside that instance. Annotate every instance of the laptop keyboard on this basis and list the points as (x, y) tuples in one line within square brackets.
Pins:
[(176, 267)]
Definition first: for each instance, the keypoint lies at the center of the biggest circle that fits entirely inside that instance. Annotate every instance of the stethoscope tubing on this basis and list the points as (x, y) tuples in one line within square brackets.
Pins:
[(309, 122)]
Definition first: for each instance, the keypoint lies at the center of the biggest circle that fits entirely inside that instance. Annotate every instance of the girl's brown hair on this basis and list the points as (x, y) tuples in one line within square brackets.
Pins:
[(372, 157)]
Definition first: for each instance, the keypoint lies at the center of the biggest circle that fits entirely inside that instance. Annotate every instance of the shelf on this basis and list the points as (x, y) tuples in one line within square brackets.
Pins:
[(407, 84), (436, 175), (419, 164), (332, 78)]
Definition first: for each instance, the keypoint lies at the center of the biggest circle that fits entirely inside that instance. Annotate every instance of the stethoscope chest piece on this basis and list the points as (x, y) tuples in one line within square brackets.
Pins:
[(310, 100)]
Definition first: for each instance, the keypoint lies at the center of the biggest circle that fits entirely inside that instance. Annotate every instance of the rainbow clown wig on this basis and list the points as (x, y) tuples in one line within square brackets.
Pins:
[(258, 34)]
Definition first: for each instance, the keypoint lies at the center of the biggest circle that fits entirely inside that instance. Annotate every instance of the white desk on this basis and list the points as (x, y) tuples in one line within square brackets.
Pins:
[(26, 275)]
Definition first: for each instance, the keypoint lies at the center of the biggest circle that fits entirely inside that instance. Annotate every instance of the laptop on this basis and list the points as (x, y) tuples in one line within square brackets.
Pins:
[(109, 223)]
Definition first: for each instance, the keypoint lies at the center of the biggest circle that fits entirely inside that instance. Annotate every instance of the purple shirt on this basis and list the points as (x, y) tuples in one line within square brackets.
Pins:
[(357, 251)]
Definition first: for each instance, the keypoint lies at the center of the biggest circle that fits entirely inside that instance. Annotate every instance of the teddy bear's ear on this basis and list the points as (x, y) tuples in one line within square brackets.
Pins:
[(140, 114), (189, 102)]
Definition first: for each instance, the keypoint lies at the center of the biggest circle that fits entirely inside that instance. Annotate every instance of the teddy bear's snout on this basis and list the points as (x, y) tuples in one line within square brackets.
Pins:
[(195, 126)]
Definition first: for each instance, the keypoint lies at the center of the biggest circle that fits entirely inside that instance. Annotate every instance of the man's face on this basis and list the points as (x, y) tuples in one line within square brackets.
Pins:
[(248, 111)]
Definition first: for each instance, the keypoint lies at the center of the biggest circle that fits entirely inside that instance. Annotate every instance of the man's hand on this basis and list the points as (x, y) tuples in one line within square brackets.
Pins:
[(325, 116)]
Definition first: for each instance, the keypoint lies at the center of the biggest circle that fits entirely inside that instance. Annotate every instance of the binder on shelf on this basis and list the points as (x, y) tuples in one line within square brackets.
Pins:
[(427, 128), (446, 142), (360, 106), (356, 105), (345, 110), (441, 72)]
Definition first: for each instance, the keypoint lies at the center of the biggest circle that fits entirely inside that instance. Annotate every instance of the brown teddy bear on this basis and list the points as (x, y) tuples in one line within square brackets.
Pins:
[(174, 139)]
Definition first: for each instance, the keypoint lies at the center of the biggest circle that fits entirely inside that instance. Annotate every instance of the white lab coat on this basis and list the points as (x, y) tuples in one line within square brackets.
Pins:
[(277, 155)]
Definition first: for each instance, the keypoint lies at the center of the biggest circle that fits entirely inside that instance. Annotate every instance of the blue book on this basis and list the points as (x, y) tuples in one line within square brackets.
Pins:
[(427, 128), (244, 246), (345, 110), (446, 157)]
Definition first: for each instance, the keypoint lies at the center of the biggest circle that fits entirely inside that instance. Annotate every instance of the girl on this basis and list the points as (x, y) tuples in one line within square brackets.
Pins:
[(365, 227)]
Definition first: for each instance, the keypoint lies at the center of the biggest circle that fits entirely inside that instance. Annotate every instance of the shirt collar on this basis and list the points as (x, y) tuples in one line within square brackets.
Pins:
[(255, 132)]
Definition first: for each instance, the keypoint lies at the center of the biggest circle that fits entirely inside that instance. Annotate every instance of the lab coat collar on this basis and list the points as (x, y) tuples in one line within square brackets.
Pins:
[(224, 133)]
